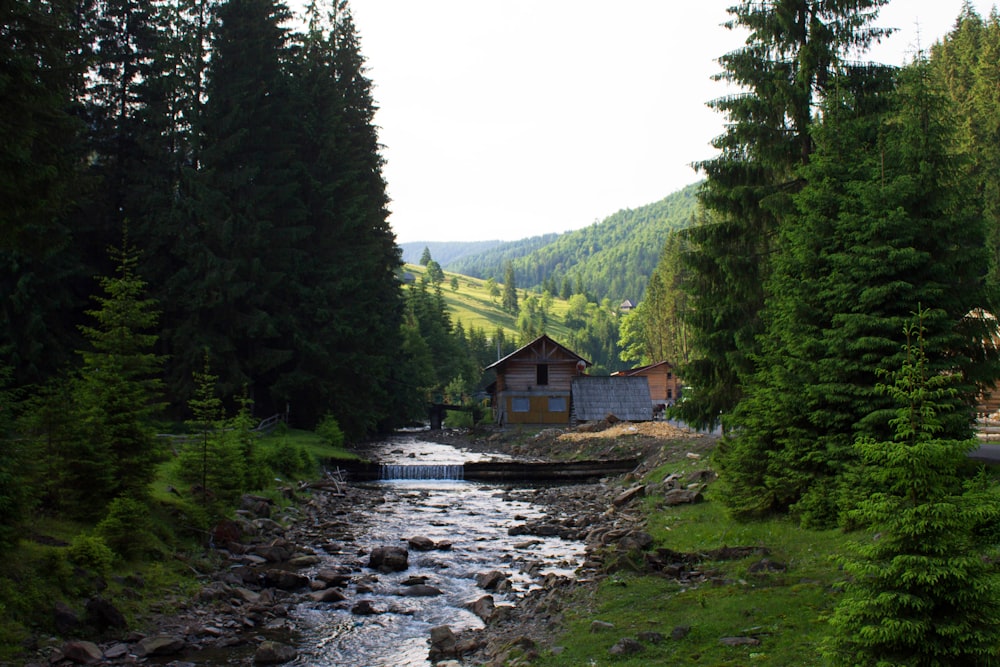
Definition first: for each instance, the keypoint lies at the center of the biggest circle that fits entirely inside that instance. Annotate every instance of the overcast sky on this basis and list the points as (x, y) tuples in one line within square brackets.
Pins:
[(504, 119)]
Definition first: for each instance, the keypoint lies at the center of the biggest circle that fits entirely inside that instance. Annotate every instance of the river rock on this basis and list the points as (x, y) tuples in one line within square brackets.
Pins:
[(626, 646), (364, 608), (82, 652), (274, 653), (484, 607), (740, 641), (304, 560), (285, 580), (629, 495), (490, 580), (328, 595), (64, 619), (103, 615), (159, 645), (443, 642), (389, 559), (420, 543), (682, 496)]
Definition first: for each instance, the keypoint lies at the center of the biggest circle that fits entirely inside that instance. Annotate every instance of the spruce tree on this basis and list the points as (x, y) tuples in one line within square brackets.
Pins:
[(118, 392), (884, 225), (921, 591), (793, 49), (509, 301)]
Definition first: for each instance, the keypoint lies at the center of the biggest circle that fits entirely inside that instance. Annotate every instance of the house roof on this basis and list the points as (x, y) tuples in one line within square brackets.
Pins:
[(542, 342), (643, 369), (627, 398)]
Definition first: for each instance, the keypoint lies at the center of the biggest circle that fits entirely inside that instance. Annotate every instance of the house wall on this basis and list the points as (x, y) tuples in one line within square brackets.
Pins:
[(547, 404)]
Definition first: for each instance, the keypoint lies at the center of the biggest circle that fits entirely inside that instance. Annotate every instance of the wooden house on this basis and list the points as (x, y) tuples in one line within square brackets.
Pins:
[(664, 385), (595, 398), (534, 383)]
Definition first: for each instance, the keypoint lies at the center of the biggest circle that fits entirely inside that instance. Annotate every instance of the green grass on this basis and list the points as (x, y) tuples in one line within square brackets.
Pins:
[(473, 306), (786, 610)]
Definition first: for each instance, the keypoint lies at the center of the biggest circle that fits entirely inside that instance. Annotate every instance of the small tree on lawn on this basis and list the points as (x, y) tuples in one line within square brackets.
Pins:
[(921, 591)]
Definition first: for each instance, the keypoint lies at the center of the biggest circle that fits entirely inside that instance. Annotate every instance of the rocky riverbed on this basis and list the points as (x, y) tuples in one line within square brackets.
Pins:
[(268, 559)]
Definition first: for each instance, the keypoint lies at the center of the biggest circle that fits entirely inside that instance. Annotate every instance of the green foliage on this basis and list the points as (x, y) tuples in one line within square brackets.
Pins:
[(127, 528), (329, 430), (287, 459), (509, 300), (797, 53), (612, 258), (92, 553), (921, 591), (876, 236)]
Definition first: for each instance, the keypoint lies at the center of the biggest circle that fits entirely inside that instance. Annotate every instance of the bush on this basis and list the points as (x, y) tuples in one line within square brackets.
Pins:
[(329, 430), (91, 553), (127, 528), (287, 459), (458, 419)]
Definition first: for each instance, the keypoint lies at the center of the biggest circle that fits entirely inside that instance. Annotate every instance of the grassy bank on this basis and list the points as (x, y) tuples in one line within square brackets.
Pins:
[(64, 563), (779, 595)]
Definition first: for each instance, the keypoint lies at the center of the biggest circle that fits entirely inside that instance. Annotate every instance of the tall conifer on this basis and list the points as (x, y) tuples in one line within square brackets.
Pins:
[(793, 49)]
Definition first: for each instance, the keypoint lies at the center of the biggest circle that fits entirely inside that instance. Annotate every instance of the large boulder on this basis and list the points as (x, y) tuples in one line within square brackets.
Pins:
[(82, 652), (103, 615), (389, 559)]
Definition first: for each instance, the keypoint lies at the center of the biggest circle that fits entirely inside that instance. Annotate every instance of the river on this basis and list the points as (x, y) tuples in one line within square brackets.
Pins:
[(473, 517)]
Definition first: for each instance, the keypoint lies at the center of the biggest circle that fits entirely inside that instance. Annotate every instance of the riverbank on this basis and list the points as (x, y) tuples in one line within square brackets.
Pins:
[(266, 561)]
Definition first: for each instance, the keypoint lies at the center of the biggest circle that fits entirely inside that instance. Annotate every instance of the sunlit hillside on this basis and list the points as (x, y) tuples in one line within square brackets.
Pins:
[(473, 306)]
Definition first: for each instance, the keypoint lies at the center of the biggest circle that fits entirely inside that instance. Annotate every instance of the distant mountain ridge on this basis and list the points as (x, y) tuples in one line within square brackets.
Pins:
[(612, 258)]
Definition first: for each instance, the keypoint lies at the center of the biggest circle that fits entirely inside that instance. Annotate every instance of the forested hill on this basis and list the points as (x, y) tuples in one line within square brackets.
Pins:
[(445, 252), (611, 258)]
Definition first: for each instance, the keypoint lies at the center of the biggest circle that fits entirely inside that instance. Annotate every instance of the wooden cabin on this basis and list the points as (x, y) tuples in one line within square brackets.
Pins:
[(534, 383), (664, 385)]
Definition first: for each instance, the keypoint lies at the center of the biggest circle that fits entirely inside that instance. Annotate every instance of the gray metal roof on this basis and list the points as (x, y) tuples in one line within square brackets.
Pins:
[(627, 398)]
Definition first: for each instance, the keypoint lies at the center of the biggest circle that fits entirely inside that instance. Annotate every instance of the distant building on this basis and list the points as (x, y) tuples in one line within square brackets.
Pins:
[(664, 385), (545, 383), (626, 306)]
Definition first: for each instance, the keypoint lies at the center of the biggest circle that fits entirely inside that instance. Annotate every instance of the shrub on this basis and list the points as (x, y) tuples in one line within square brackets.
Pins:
[(127, 528), (91, 553), (329, 430)]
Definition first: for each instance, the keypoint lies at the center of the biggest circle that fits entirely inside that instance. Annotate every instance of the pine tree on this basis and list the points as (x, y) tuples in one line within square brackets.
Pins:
[(43, 278), (118, 391), (793, 49), (921, 592), (509, 301), (885, 225)]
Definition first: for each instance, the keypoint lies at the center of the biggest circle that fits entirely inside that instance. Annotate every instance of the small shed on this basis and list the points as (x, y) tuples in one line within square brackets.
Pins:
[(626, 306), (533, 383), (627, 398)]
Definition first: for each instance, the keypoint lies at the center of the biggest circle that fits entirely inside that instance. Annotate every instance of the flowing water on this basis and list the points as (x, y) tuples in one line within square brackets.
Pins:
[(425, 496)]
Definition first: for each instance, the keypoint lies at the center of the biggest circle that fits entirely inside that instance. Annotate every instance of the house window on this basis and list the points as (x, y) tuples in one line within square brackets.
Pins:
[(541, 374), (557, 404), (669, 375), (670, 393), (520, 404)]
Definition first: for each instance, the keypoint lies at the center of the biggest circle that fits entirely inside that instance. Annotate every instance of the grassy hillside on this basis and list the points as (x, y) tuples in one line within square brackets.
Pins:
[(473, 306), (611, 258)]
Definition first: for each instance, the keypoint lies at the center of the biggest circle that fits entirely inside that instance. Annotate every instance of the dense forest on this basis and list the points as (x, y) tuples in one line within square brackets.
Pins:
[(609, 259), (238, 159)]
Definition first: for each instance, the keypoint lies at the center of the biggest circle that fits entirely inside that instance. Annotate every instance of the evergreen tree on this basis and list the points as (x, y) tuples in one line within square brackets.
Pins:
[(425, 257), (509, 289), (118, 392), (793, 49), (43, 278), (249, 215), (885, 226), (348, 307), (14, 492), (921, 592)]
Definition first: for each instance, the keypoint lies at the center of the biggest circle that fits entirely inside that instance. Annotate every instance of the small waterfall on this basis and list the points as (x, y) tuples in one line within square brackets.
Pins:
[(455, 471)]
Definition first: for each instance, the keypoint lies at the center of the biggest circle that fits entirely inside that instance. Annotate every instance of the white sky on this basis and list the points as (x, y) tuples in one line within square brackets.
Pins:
[(504, 119)]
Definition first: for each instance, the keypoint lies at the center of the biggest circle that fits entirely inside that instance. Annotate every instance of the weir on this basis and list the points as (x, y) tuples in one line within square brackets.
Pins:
[(452, 472)]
